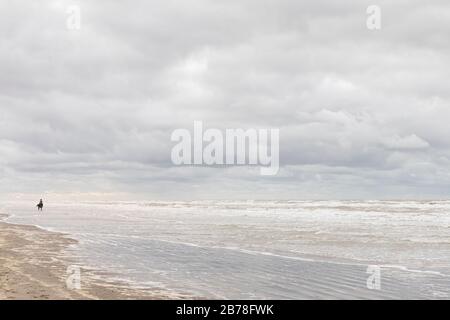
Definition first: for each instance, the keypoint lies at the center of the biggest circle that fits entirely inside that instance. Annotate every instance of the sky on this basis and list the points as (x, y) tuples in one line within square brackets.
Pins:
[(362, 114)]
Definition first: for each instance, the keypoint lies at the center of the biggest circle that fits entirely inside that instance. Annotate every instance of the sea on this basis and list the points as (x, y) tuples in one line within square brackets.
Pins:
[(251, 249)]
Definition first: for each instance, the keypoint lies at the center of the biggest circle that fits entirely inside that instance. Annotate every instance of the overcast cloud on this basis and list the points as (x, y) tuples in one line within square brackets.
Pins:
[(361, 113)]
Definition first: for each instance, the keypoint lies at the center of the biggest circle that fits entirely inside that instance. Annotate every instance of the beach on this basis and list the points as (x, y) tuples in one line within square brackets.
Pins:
[(227, 250), (33, 266)]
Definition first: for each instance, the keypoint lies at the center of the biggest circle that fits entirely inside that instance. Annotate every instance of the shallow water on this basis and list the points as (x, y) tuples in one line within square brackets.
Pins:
[(261, 249)]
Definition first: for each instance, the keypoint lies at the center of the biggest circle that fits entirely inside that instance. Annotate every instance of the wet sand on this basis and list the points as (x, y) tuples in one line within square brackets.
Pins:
[(33, 265)]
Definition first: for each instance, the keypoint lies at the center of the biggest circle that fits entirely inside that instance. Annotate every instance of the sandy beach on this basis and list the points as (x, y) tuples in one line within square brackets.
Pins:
[(33, 266), (226, 250)]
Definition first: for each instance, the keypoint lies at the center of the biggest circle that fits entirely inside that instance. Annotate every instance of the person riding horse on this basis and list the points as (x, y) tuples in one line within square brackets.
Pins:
[(40, 205)]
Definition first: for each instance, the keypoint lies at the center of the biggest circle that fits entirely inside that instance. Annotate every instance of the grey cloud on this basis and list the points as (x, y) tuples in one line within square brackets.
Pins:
[(360, 113)]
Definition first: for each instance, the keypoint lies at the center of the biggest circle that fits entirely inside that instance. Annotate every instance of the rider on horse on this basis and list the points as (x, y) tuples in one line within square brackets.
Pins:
[(40, 205)]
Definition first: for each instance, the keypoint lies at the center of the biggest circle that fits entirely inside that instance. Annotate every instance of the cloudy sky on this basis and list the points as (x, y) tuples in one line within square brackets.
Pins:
[(361, 113)]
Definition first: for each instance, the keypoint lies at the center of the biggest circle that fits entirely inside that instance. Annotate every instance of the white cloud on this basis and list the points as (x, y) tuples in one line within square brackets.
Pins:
[(410, 142), (92, 110)]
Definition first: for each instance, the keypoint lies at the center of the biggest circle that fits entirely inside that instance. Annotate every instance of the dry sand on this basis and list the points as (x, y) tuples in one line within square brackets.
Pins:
[(33, 265)]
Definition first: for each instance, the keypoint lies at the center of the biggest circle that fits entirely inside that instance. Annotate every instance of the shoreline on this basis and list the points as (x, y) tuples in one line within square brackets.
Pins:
[(37, 259), (34, 264)]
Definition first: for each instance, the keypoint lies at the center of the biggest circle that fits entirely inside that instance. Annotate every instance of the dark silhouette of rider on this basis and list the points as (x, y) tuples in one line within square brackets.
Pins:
[(40, 205)]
